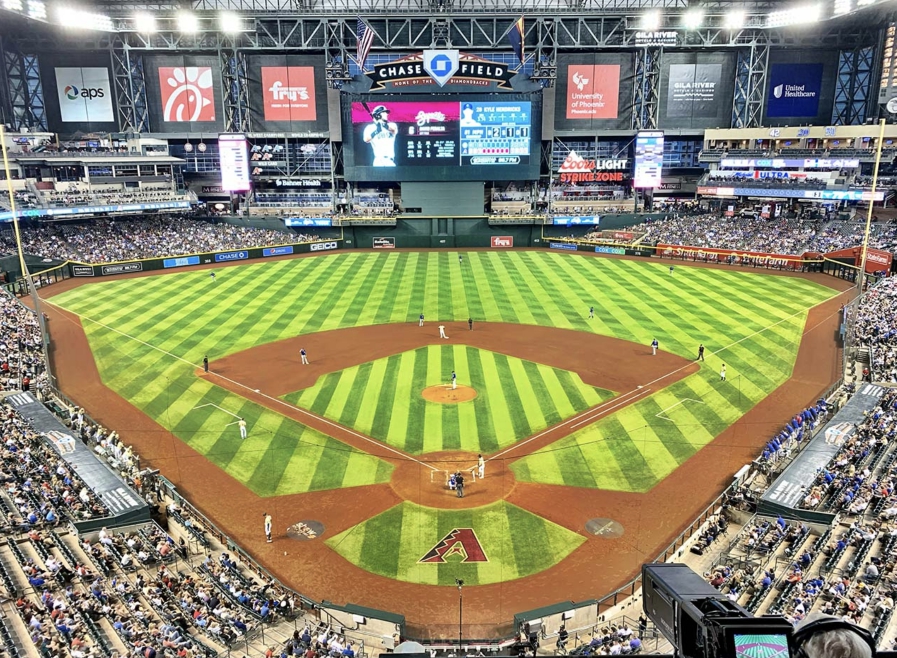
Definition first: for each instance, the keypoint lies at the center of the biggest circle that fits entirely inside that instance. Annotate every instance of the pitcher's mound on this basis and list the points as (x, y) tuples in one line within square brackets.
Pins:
[(444, 394)]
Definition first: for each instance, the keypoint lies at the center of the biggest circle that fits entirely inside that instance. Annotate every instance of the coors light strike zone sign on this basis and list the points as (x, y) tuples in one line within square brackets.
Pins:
[(576, 169)]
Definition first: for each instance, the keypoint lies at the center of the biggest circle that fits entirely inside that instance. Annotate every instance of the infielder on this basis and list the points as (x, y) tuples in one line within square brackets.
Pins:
[(481, 467), (304, 356), (267, 527), (420, 320), (654, 346), (242, 425), (454, 380), (442, 331)]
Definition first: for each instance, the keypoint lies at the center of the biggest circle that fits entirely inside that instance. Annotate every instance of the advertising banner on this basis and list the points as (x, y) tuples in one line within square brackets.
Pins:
[(384, 243), (877, 260), (729, 256), (277, 251), (323, 246), (122, 268), (697, 90), (78, 93), (82, 270), (801, 87), (182, 261), (563, 245), (575, 220), (502, 241), (231, 256), (184, 93), (472, 137), (288, 93), (794, 90), (595, 90), (85, 94)]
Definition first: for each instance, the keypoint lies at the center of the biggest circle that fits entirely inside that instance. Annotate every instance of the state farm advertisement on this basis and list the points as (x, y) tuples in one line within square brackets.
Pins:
[(289, 93), (729, 256), (876, 259), (593, 91), (576, 169)]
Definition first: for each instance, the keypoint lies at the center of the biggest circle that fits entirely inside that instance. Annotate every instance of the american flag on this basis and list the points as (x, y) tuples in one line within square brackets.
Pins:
[(365, 37)]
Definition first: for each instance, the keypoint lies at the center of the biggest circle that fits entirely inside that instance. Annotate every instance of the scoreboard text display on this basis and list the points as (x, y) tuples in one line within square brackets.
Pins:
[(464, 138), (234, 162), (648, 159)]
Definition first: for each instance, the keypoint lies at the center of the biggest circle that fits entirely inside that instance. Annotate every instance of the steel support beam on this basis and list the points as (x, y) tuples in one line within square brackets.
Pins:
[(646, 88), (750, 86), (853, 86), (234, 82), (24, 93)]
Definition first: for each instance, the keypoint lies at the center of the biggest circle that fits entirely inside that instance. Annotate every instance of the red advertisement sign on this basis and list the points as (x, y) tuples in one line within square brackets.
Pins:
[(188, 93), (289, 93), (503, 241), (729, 256), (593, 91), (624, 236), (876, 259)]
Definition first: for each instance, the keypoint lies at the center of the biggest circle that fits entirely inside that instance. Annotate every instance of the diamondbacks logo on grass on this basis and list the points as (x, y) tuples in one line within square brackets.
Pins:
[(459, 543)]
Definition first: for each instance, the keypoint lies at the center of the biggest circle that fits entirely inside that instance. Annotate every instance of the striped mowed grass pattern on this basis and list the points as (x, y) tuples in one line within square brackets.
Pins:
[(279, 456), (515, 399), (186, 315), (643, 443), (516, 543)]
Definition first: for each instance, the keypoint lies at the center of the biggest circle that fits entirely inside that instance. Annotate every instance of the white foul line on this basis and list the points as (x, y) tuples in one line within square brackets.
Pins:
[(209, 404), (264, 395), (682, 401)]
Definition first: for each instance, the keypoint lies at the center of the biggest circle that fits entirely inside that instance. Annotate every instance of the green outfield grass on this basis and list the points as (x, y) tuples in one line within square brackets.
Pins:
[(516, 543), (515, 399), (756, 319)]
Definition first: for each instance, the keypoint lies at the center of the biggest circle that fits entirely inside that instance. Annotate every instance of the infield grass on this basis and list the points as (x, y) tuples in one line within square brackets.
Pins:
[(515, 399), (516, 543), (751, 321)]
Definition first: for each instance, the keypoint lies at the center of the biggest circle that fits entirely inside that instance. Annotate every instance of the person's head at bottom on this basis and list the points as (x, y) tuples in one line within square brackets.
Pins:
[(824, 636)]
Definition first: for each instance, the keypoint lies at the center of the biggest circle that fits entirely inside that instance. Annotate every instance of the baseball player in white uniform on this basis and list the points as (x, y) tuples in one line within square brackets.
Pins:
[(381, 135), (442, 331)]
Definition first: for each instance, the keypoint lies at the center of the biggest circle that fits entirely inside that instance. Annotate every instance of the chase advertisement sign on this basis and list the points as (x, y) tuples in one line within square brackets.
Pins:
[(441, 65), (231, 255), (794, 90)]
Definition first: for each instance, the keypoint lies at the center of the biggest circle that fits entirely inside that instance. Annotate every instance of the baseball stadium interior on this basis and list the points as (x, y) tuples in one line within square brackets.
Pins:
[(448, 328)]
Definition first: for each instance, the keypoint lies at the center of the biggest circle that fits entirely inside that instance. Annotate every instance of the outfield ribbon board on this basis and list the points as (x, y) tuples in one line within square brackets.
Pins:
[(728, 256), (82, 270), (563, 245), (786, 493), (125, 505)]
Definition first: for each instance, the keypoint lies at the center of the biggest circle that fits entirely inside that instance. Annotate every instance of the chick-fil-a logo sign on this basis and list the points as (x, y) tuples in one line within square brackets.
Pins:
[(187, 93)]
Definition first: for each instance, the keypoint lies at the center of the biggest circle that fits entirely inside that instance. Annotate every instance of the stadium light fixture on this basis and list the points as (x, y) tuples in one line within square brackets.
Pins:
[(79, 19), (693, 18), (734, 20), (794, 16), (37, 10), (841, 7), (188, 23), (651, 21), (13, 5), (230, 23), (145, 23)]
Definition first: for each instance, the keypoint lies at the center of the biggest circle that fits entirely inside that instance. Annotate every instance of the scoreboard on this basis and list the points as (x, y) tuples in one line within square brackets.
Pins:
[(447, 137)]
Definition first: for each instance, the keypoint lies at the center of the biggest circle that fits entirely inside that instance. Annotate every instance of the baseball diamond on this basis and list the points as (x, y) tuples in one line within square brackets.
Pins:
[(562, 399)]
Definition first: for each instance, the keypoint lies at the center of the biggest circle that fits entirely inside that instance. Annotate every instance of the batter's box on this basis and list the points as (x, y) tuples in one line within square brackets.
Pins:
[(662, 413)]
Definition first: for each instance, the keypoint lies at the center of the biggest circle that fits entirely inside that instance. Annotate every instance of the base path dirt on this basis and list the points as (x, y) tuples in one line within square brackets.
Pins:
[(649, 521)]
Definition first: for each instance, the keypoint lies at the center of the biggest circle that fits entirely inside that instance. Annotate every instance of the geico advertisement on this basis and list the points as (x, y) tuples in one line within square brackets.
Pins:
[(84, 94)]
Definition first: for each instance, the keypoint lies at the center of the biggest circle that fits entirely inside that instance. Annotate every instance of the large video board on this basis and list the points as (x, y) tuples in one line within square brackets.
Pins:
[(458, 137)]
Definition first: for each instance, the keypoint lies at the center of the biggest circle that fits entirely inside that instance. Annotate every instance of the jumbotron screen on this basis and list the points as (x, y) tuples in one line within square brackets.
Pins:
[(454, 138)]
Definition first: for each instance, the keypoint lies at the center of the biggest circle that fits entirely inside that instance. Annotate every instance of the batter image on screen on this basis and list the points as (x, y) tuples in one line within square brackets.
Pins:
[(381, 135), (467, 116)]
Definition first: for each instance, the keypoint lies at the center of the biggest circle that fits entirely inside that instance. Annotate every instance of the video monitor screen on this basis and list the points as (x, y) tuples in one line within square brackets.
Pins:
[(772, 645), (459, 138), (648, 159)]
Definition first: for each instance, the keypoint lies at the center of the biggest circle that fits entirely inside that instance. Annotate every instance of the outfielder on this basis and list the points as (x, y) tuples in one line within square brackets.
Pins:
[(242, 424)]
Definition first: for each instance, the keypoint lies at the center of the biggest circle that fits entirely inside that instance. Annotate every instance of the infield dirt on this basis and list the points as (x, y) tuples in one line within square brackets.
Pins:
[(650, 520)]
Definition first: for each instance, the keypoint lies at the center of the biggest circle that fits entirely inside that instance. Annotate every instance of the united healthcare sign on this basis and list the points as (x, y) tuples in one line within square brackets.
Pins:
[(794, 90)]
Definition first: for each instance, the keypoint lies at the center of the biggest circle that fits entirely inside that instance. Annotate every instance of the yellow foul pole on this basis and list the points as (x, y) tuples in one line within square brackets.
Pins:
[(861, 275)]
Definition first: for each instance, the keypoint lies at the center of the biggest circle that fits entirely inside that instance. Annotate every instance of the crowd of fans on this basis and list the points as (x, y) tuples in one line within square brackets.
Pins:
[(875, 325), (767, 183), (81, 196), (106, 240)]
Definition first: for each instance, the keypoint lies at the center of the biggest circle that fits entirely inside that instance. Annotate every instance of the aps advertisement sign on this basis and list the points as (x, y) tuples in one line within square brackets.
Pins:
[(85, 95)]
